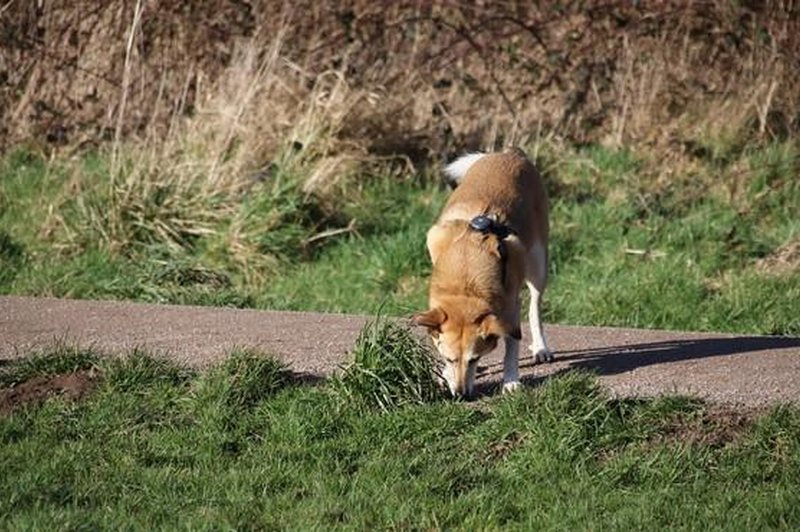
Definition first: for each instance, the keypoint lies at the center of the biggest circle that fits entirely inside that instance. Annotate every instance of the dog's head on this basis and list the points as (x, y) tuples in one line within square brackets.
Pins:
[(462, 337)]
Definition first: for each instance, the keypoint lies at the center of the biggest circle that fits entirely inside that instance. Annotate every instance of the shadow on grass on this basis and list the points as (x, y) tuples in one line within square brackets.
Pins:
[(304, 378)]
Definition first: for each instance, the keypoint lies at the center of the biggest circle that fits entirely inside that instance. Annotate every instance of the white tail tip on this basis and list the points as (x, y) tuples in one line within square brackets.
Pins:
[(458, 168)]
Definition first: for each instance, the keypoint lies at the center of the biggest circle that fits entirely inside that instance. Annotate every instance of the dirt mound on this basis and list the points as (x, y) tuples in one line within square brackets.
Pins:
[(72, 386), (443, 73)]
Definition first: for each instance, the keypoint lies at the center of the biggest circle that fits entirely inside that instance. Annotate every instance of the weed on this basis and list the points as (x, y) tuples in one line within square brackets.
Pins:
[(12, 258), (140, 370)]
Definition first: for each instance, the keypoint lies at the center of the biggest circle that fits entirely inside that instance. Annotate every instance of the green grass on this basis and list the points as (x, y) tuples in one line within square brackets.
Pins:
[(247, 445), (390, 368), (635, 241)]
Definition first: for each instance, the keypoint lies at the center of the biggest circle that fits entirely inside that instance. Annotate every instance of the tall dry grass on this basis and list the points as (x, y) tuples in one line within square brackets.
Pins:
[(248, 172), (440, 75)]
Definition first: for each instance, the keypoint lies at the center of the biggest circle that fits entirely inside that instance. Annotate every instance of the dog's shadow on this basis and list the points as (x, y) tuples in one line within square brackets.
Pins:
[(614, 360)]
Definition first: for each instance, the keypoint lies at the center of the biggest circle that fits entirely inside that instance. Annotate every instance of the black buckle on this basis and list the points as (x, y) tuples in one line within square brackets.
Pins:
[(482, 224), (486, 224)]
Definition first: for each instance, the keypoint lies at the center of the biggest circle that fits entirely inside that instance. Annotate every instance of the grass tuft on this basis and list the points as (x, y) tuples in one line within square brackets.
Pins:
[(244, 379), (224, 401), (391, 367), (141, 371), (12, 256)]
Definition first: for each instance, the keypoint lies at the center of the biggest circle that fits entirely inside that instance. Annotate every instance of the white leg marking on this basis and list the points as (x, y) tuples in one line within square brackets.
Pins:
[(538, 346), (511, 366)]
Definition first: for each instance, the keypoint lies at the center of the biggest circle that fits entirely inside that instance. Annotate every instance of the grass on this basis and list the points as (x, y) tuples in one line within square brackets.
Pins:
[(701, 243), (247, 445), (411, 79), (298, 176)]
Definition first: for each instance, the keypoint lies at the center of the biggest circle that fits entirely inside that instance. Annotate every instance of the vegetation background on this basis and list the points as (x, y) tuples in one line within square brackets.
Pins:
[(286, 154)]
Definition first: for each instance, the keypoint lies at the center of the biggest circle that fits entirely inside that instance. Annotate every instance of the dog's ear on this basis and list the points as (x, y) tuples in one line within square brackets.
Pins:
[(432, 319), (435, 240), (490, 324), (439, 237)]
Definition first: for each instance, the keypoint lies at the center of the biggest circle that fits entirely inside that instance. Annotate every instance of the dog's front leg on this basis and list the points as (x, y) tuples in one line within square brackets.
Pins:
[(511, 366)]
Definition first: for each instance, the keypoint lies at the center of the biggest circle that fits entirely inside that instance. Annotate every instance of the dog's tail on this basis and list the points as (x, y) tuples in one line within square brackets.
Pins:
[(456, 170)]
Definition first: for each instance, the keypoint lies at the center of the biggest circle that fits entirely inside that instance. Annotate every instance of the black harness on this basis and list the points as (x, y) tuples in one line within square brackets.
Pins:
[(488, 224)]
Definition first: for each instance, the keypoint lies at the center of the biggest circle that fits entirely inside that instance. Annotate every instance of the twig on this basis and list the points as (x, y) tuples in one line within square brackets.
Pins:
[(331, 232), (5, 7), (645, 253)]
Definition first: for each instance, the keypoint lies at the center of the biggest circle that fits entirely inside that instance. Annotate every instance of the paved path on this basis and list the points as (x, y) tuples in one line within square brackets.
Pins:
[(749, 370)]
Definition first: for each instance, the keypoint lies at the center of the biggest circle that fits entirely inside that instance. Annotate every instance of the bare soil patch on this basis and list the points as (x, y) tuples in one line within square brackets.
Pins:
[(72, 386)]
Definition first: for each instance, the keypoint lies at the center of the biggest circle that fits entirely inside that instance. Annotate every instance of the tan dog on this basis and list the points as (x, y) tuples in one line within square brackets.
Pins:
[(490, 239)]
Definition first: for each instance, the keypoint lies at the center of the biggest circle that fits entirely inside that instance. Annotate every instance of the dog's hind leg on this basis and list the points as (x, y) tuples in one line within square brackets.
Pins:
[(537, 281)]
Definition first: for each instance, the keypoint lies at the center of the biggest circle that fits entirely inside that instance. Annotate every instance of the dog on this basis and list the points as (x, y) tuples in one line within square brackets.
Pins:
[(490, 238)]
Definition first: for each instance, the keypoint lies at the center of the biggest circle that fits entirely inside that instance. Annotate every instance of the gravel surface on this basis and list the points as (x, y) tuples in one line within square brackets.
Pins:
[(747, 370)]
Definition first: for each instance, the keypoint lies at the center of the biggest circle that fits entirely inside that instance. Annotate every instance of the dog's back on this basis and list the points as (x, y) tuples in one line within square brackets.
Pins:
[(504, 185)]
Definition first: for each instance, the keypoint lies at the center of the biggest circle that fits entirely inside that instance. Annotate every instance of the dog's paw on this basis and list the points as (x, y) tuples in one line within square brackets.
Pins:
[(511, 386), (542, 355)]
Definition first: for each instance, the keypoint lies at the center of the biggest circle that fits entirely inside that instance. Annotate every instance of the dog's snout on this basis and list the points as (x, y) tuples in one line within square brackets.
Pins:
[(459, 376)]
